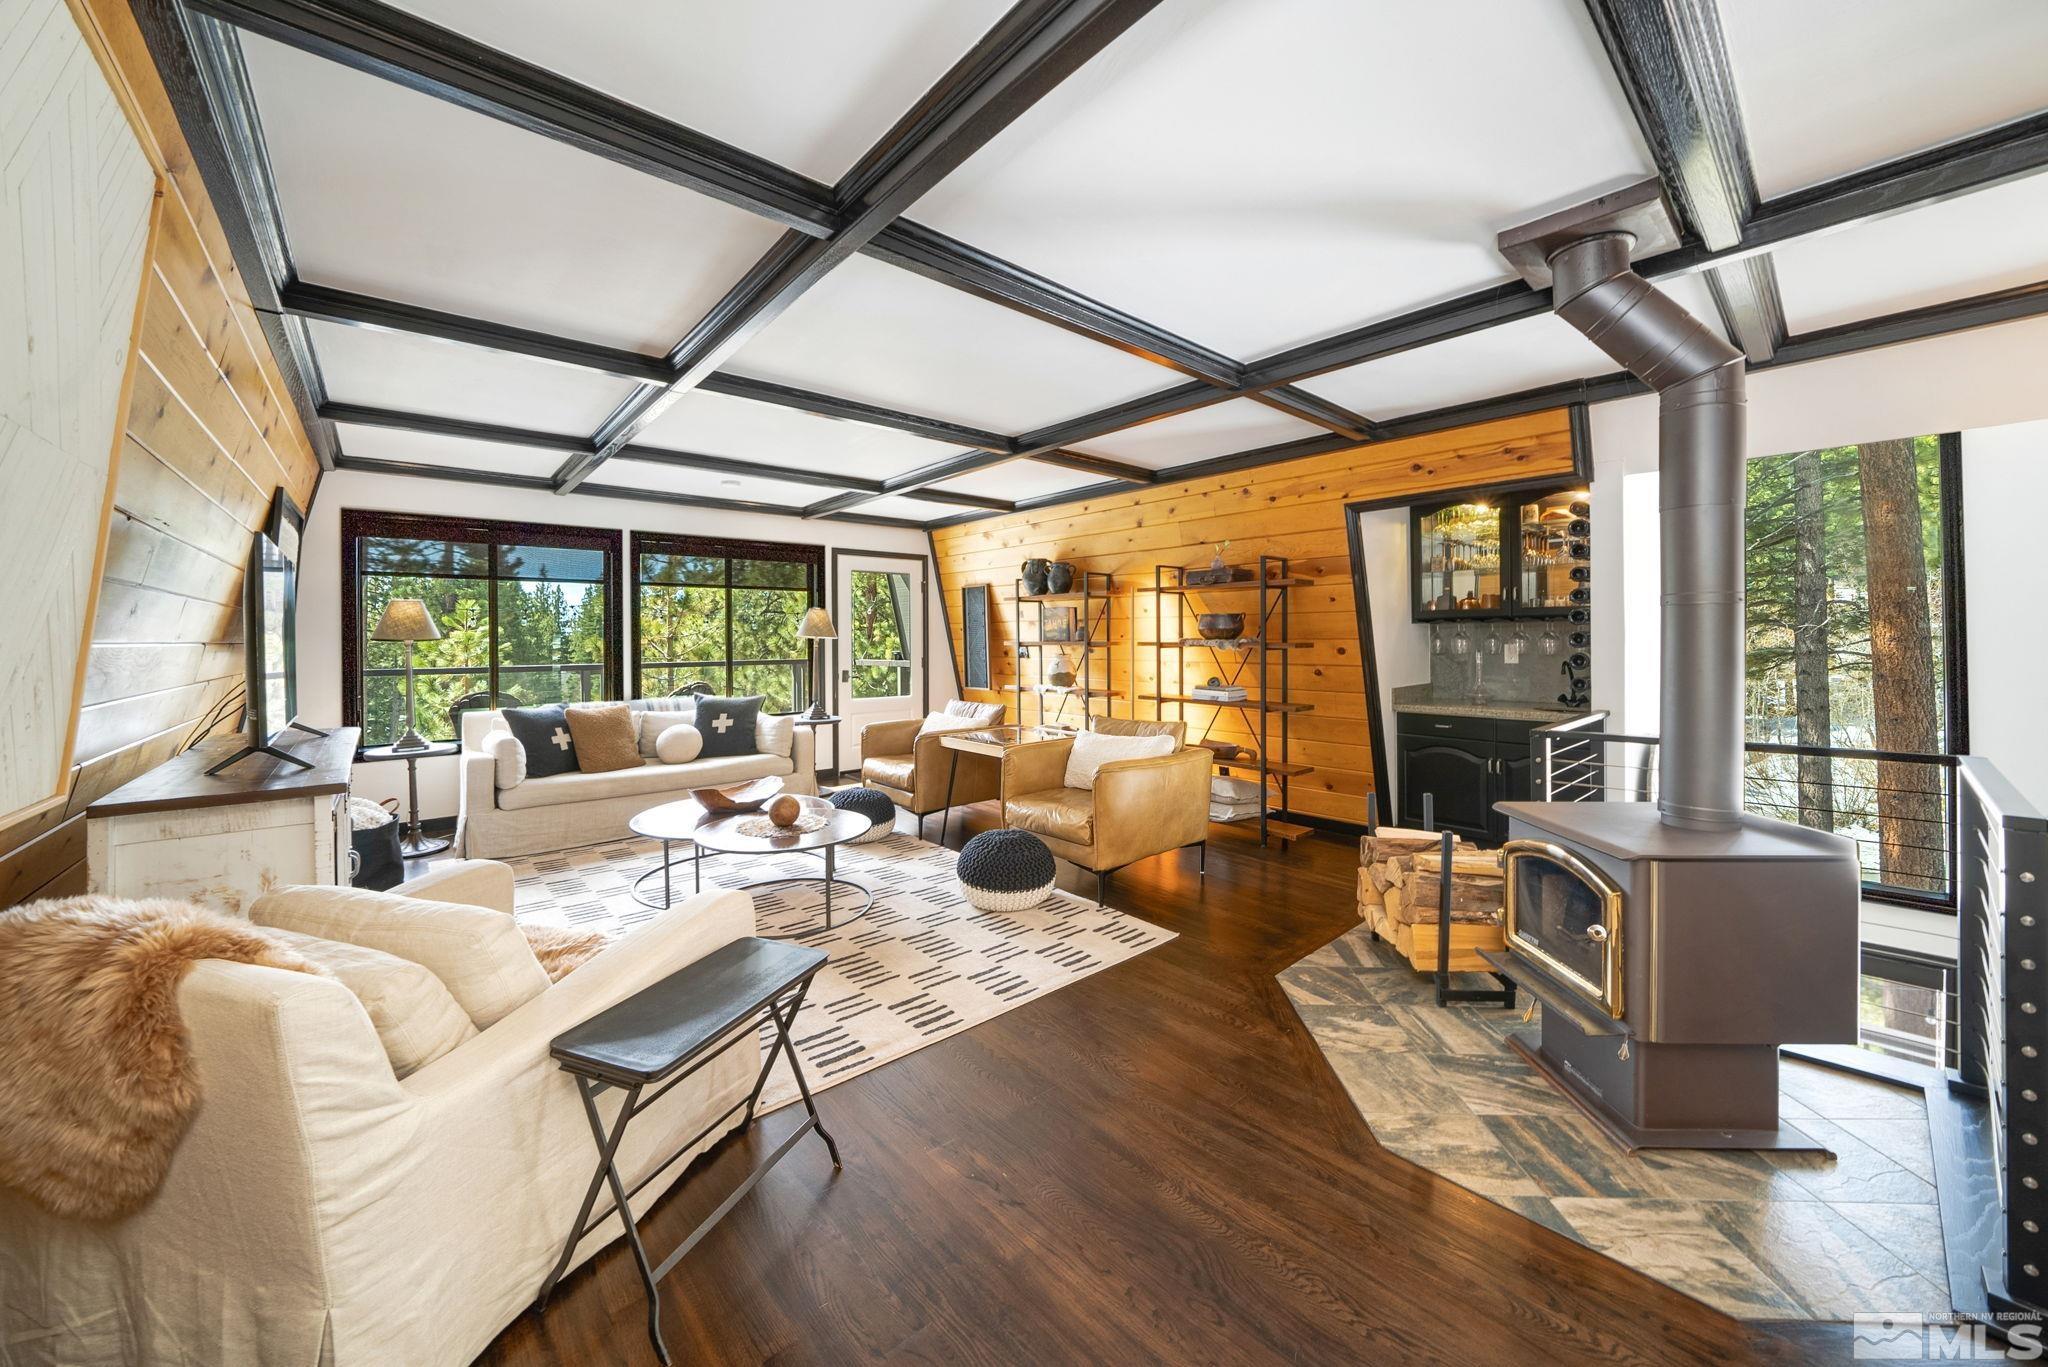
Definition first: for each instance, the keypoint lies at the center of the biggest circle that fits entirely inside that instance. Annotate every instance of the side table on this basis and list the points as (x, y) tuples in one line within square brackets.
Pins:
[(802, 719), (415, 846), (660, 1036)]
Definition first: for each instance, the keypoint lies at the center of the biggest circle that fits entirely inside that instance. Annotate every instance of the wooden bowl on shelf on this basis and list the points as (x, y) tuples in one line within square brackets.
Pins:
[(750, 796), (1220, 626)]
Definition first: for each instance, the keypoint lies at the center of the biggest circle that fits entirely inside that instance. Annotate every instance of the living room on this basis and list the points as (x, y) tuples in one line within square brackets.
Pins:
[(1080, 680)]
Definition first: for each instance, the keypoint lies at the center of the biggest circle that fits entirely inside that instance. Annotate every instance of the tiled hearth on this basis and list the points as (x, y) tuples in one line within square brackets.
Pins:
[(1777, 1236)]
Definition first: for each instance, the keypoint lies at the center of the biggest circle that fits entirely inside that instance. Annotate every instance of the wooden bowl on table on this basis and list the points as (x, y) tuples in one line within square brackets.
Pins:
[(750, 796)]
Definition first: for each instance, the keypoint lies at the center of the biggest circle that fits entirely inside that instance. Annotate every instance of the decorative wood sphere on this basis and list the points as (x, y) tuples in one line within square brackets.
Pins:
[(785, 810)]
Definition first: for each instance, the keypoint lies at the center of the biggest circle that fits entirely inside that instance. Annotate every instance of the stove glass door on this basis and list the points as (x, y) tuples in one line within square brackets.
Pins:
[(1566, 915)]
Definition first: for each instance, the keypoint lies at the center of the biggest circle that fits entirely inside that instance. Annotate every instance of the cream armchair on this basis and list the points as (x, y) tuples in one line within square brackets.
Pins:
[(1138, 807), (321, 1211), (917, 771)]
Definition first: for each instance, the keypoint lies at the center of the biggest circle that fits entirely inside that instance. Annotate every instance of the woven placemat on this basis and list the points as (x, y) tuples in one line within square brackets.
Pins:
[(755, 826)]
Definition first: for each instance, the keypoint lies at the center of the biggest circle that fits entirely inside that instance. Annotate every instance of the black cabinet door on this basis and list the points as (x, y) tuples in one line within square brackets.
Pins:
[(1514, 780), (1457, 773)]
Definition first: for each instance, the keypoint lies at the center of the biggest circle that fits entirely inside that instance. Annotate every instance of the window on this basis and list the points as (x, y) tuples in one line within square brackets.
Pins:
[(527, 615), (1851, 639), (724, 614), (881, 638)]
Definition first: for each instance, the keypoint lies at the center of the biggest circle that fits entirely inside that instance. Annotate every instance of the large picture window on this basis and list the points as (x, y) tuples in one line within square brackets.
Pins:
[(527, 614), (723, 614)]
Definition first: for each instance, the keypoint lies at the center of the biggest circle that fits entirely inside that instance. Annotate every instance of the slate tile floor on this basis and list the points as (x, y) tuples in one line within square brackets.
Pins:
[(1760, 1236)]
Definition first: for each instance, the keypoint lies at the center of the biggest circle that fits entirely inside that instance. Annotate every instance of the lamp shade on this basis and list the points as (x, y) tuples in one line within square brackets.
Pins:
[(406, 619), (817, 626)]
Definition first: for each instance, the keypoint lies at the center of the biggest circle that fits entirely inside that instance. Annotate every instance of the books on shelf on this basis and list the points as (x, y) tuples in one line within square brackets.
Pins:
[(1219, 693)]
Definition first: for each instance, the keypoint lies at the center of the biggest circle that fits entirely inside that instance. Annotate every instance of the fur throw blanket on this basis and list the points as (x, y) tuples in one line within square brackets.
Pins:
[(95, 1064)]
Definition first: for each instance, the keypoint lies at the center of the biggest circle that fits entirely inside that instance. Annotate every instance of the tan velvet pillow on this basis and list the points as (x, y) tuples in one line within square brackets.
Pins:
[(605, 735)]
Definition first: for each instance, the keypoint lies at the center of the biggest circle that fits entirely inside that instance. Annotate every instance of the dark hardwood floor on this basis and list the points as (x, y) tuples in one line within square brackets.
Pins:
[(1153, 1165)]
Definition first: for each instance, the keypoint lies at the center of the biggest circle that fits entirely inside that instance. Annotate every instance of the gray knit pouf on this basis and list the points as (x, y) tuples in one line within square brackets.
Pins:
[(873, 805), (1005, 871)]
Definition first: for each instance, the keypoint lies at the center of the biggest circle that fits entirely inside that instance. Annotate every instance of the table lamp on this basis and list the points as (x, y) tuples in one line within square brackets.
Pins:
[(817, 626), (407, 620)]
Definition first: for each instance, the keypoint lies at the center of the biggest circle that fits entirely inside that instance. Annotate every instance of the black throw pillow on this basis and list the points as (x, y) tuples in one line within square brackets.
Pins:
[(728, 725), (544, 731)]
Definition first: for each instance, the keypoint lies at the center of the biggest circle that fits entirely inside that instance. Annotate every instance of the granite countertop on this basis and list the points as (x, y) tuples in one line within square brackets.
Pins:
[(1418, 698)]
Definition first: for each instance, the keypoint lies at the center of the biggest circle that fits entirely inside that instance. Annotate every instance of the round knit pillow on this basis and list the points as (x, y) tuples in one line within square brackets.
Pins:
[(873, 805), (1005, 871), (679, 744)]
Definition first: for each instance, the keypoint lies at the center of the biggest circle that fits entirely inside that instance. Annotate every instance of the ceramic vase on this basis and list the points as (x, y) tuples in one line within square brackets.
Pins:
[(1059, 576), (1033, 571)]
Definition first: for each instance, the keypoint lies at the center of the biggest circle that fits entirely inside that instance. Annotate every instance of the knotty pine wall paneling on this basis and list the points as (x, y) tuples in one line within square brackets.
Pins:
[(209, 436), (1295, 509)]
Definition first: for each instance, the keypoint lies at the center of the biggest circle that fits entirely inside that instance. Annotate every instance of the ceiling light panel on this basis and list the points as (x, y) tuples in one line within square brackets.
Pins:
[(910, 509), (842, 74), (641, 474), (412, 374), (717, 425), (1221, 429), (1479, 365), (1992, 240), (885, 336), (1018, 480), (457, 453), (397, 194), (1256, 176), (1832, 86)]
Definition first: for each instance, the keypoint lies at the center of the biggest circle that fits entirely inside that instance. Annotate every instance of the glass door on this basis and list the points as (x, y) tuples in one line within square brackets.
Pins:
[(879, 613), (1554, 544), (1458, 568)]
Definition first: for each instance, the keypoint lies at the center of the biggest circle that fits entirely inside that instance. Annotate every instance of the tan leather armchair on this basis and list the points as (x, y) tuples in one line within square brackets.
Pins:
[(915, 770), (1138, 807)]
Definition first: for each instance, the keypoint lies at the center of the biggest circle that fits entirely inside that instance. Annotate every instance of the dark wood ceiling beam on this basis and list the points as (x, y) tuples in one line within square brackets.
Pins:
[(411, 52), (1095, 465), (1672, 63), (1183, 398), (409, 469), (209, 92), (1299, 403), (1029, 52), (362, 415), (852, 410)]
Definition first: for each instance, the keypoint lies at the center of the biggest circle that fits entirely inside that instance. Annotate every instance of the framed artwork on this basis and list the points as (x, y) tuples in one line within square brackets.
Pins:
[(1058, 622), (974, 636)]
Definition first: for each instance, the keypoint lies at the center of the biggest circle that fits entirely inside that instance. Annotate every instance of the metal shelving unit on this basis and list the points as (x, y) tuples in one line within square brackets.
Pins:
[(1257, 660), (1092, 598)]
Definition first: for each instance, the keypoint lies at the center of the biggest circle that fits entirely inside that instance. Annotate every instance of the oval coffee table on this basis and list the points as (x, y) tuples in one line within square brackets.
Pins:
[(722, 835), (668, 823)]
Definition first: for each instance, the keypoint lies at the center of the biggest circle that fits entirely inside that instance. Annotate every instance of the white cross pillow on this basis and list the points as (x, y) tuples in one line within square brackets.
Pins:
[(1093, 749)]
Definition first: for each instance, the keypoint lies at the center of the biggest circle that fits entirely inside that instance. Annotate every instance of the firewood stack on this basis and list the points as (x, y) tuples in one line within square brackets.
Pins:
[(1400, 879)]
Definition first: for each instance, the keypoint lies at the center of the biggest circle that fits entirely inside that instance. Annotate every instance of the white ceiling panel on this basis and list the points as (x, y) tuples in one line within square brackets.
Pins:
[(1991, 240), (421, 448), (641, 474), (394, 193), (811, 84), (1221, 429), (884, 336), (1018, 480), (910, 509), (1831, 86), (447, 379), (1479, 365), (717, 425), (1255, 176)]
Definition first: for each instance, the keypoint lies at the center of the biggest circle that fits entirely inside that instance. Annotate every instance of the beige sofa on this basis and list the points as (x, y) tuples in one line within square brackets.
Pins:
[(568, 810), (320, 1211)]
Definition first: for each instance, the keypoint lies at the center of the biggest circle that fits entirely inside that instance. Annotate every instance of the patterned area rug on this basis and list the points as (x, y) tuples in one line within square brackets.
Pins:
[(921, 965)]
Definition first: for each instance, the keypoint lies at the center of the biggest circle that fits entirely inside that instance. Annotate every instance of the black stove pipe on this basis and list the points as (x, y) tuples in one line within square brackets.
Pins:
[(1701, 438)]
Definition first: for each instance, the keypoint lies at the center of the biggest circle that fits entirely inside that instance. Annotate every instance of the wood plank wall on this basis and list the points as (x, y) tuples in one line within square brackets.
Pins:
[(210, 435), (1294, 509)]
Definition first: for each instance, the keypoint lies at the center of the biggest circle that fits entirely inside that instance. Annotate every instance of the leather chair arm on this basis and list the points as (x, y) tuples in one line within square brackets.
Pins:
[(1036, 767), (1150, 806), (889, 737)]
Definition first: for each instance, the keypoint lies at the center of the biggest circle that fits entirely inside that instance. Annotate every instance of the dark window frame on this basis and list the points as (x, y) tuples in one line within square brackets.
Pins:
[(358, 523), (812, 557)]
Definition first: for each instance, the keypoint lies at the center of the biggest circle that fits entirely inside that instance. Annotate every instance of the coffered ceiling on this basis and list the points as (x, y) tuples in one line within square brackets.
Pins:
[(937, 258)]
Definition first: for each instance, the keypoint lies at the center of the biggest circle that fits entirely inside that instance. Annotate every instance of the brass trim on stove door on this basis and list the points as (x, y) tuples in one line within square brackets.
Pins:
[(1606, 993)]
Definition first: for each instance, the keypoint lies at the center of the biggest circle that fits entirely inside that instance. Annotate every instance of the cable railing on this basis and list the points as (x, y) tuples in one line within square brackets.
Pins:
[(1898, 808)]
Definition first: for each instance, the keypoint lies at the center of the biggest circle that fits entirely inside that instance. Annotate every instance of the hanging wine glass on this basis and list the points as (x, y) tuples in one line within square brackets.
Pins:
[(1436, 639), (1550, 641), (1461, 644)]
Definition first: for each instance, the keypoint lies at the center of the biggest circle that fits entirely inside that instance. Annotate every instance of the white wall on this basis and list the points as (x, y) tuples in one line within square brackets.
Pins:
[(2005, 486), (1400, 644), (320, 681), (1990, 377)]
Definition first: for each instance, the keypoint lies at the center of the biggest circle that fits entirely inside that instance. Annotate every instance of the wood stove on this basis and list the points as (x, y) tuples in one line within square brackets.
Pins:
[(1566, 915)]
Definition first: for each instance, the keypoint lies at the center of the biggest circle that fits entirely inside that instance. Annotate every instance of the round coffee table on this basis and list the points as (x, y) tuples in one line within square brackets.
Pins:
[(722, 835), (668, 823)]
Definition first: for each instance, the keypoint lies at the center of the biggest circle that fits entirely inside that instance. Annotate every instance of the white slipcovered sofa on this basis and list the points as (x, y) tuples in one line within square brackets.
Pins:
[(321, 1212), (567, 810)]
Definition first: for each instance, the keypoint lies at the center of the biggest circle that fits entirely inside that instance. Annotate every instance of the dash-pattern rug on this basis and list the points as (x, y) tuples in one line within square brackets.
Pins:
[(921, 965)]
